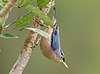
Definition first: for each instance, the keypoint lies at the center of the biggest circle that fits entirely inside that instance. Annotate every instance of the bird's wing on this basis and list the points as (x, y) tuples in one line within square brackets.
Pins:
[(55, 41)]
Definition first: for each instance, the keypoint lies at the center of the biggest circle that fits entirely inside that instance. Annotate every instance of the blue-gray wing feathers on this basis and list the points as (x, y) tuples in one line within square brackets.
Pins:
[(55, 41)]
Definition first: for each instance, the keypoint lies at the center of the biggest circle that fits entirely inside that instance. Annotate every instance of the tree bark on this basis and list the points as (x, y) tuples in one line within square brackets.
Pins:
[(29, 43)]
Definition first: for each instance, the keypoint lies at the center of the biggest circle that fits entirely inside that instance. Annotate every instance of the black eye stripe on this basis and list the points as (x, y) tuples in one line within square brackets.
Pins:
[(61, 52), (63, 59)]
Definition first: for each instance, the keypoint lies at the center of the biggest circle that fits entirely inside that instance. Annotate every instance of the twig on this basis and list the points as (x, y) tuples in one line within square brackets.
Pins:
[(4, 11), (6, 26), (30, 41)]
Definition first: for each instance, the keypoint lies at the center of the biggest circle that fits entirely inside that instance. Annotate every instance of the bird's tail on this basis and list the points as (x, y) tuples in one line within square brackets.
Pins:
[(55, 20), (54, 12)]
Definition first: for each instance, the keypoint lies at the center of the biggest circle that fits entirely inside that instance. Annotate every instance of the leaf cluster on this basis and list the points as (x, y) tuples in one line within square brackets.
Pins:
[(23, 21)]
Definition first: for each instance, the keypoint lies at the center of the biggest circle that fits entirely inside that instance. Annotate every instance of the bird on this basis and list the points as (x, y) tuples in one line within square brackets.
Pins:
[(52, 48)]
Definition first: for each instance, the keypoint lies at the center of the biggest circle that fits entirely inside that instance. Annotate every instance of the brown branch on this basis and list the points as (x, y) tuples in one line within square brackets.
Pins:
[(6, 9), (30, 42)]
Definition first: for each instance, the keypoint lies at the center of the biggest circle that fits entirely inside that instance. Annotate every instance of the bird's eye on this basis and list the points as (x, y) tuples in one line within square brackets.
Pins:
[(63, 58)]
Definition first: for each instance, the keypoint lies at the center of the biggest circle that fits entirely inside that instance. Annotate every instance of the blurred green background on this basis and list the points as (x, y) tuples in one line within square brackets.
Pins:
[(79, 22)]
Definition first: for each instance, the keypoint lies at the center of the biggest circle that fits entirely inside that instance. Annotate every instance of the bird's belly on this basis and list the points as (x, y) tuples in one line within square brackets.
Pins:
[(45, 47)]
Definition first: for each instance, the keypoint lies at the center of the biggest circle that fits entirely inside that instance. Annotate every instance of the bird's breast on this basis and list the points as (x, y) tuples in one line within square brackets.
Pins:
[(45, 44)]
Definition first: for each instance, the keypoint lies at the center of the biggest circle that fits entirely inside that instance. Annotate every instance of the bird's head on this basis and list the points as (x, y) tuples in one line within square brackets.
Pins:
[(60, 57)]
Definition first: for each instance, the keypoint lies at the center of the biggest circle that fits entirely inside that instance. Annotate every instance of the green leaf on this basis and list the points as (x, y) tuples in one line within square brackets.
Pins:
[(4, 2), (8, 36), (23, 21), (38, 12), (42, 3), (23, 3), (42, 33)]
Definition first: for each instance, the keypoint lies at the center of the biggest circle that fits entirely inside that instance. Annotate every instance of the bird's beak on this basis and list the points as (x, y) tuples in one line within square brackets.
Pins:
[(65, 64)]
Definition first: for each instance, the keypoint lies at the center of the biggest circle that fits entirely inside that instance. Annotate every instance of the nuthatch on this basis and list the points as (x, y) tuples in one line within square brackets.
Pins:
[(52, 49)]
